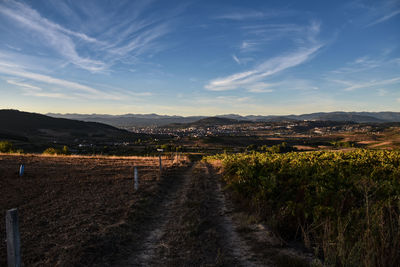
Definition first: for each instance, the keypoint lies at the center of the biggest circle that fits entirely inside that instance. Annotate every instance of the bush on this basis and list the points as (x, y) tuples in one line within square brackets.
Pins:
[(56, 151), (65, 150), (51, 151), (6, 147)]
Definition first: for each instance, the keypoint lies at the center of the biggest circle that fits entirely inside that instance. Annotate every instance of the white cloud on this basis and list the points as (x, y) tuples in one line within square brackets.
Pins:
[(351, 85), (260, 87), (242, 15), (32, 90), (255, 14), (119, 40), (235, 58), (141, 42), (13, 47), (371, 13), (52, 34), (260, 72), (385, 17), (252, 79), (364, 63), (77, 88), (249, 45), (26, 85)]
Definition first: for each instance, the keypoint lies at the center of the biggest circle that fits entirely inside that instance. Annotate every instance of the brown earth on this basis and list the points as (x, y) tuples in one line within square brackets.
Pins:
[(80, 211), (197, 224), (75, 210)]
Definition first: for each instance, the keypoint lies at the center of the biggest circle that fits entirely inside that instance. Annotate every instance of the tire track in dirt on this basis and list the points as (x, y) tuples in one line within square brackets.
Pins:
[(196, 225), (151, 228)]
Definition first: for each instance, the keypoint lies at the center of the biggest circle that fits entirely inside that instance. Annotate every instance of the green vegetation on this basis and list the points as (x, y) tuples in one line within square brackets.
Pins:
[(8, 147), (342, 144), (279, 148), (343, 205), (56, 151)]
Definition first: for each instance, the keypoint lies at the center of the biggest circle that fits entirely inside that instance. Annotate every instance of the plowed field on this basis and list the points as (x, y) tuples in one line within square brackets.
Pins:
[(75, 210)]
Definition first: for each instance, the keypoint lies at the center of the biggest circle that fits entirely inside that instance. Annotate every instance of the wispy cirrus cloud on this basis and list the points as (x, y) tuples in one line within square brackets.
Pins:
[(98, 50), (52, 34), (385, 17), (235, 58), (32, 90), (242, 15), (353, 85), (141, 42), (270, 67), (261, 87), (250, 14), (360, 64), (71, 88), (253, 79), (375, 12), (25, 85)]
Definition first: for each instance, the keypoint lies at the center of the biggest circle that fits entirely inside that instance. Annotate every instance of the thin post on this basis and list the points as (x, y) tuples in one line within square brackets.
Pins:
[(13, 239), (21, 170), (136, 178), (160, 162)]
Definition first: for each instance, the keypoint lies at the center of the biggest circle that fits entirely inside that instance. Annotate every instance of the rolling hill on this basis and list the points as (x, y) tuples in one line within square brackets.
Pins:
[(33, 127), (145, 120)]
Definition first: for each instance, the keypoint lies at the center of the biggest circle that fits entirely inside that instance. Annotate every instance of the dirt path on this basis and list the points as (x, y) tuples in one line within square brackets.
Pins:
[(196, 225)]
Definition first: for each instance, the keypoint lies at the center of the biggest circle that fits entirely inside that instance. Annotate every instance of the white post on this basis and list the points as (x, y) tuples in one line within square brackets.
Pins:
[(136, 178), (13, 239), (21, 170)]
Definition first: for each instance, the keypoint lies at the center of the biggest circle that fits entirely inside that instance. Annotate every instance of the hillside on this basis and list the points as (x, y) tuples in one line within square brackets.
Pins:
[(37, 128), (145, 120), (207, 122), (129, 120)]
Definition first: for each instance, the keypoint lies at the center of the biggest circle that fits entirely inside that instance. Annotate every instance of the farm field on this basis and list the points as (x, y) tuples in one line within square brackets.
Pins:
[(244, 209), (74, 209), (83, 211), (344, 206)]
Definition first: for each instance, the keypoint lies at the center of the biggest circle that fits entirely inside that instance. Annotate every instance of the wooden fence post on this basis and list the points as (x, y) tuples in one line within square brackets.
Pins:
[(13, 239), (136, 178), (160, 162)]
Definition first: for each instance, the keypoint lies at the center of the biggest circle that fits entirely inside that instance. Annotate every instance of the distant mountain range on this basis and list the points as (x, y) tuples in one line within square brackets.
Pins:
[(143, 120), (38, 128)]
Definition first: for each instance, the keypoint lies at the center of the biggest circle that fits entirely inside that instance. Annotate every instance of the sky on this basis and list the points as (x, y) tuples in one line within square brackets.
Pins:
[(200, 57)]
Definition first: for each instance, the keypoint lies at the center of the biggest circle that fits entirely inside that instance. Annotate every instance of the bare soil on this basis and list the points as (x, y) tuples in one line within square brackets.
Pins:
[(198, 225), (82, 211), (76, 211)]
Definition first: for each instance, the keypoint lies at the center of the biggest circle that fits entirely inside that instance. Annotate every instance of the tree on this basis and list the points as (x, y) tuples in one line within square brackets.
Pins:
[(65, 150)]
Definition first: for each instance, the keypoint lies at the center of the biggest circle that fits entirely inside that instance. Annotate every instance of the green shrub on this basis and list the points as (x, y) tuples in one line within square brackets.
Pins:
[(51, 151), (65, 150), (57, 151), (6, 147)]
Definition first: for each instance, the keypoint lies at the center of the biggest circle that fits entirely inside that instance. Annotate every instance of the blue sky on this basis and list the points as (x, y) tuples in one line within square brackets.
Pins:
[(200, 57)]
